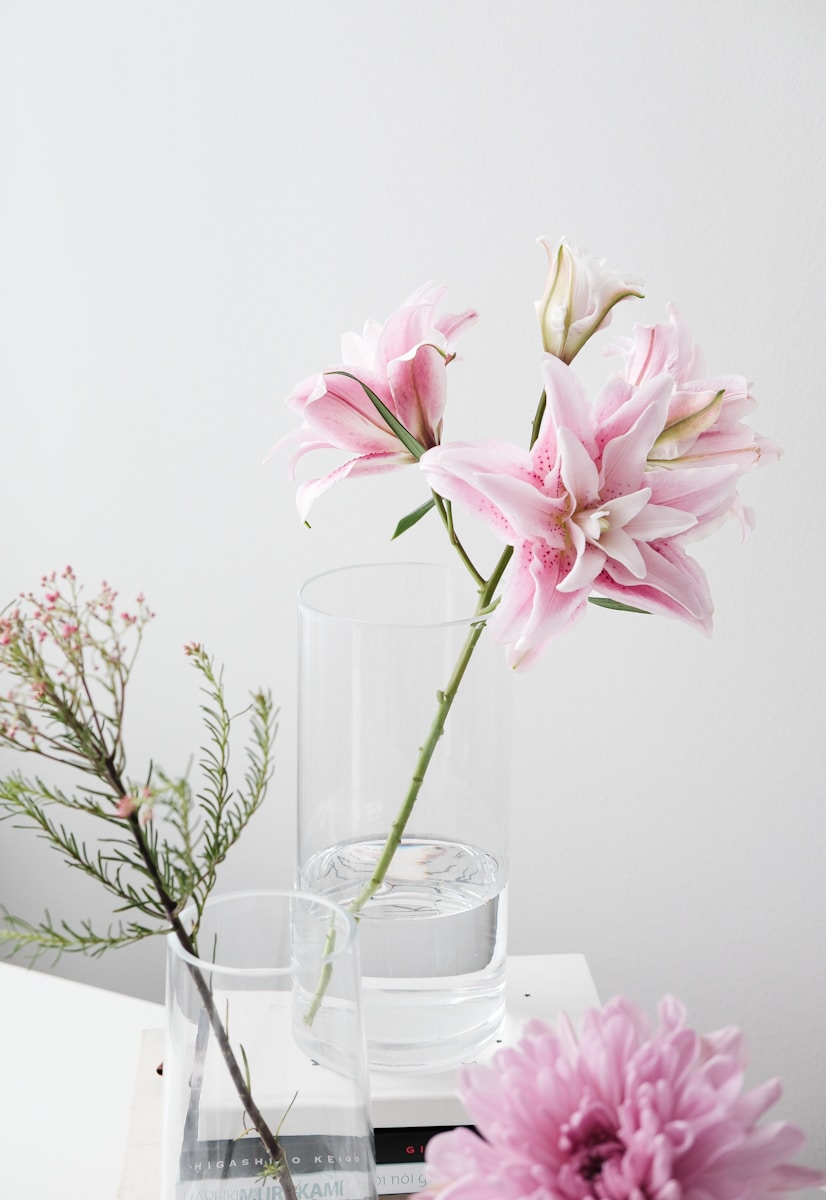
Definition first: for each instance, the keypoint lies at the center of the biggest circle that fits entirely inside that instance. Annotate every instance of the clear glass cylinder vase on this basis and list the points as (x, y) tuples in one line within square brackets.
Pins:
[(253, 993), (388, 654)]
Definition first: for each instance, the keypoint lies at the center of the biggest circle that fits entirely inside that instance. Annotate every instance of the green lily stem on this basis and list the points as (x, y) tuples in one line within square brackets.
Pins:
[(445, 511), (445, 702), (487, 592), (391, 845), (537, 421)]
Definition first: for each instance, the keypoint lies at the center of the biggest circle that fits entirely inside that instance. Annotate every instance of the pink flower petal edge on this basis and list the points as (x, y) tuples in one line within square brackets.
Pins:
[(403, 362), (625, 1109)]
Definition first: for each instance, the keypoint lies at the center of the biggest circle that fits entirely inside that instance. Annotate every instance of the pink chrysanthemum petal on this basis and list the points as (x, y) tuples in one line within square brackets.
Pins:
[(623, 1111)]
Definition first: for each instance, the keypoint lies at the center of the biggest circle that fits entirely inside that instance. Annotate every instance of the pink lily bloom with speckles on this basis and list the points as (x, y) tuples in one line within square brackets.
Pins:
[(403, 362), (621, 1110), (584, 512), (704, 426)]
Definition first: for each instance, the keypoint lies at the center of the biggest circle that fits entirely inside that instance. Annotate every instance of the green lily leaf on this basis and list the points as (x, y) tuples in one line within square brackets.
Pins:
[(413, 518), (404, 435), (604, 602)]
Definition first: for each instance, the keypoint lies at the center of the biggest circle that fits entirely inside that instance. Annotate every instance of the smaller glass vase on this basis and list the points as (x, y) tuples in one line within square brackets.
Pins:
[(264, 960)]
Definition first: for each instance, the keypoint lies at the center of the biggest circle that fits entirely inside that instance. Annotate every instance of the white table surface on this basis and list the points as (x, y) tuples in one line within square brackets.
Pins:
[(69, 1055), (69, 1058), (68, 1063)]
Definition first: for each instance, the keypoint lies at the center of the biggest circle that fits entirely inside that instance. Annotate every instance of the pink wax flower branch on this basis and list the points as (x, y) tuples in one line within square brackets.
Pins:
[(69, 660), (66, 662), (621, 1110)]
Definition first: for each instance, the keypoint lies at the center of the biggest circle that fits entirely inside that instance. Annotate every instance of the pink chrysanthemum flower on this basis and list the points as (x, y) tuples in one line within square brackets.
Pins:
[(623, 1111)]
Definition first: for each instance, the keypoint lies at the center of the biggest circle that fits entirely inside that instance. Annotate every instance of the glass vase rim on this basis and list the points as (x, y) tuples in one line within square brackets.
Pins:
[(449, 569), (342, 945)]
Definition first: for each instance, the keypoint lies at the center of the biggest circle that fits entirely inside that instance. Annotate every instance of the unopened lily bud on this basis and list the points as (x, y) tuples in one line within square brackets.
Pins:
[(579, 295)]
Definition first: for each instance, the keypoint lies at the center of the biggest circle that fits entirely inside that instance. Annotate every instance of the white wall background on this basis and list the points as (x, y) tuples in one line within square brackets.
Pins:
[(197, 197)]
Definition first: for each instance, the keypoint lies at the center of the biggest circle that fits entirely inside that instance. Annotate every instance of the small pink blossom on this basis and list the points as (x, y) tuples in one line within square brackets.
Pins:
[(68, 630), (126, 807), (622, 1111), (403, 362)]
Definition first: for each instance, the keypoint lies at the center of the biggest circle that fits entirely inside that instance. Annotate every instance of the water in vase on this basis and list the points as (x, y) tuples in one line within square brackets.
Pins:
[(432, 947)]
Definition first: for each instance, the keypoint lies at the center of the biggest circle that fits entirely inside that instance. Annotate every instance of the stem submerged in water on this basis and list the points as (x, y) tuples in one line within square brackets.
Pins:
[(445, 700)]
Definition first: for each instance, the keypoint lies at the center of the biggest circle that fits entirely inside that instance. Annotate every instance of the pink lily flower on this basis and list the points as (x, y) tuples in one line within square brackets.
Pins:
[(580, 292), (704, 426), (403, 362), (584, 512)]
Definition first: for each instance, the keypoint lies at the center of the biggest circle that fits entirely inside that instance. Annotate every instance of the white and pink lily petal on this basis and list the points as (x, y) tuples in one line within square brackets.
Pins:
[(709, 493), (549, 587), (368, 464), (339, 415), (674, 585), (496, 481), (705, 424), (412, 325), (533, 609), (403, 363), (580, 292), (617, 432), (664, 349)]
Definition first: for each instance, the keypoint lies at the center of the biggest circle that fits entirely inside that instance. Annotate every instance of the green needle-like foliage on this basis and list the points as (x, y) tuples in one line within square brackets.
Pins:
[(69, 662)]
